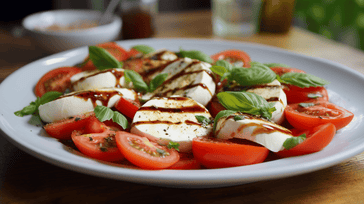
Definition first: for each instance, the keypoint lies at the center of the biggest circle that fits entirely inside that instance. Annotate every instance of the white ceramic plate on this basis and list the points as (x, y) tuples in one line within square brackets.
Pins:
[(16, 91)]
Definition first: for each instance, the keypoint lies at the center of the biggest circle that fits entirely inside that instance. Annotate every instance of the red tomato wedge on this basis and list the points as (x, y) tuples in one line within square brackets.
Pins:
[(316, 139), (55, 80), (186, 161), (113, 48), (144, 153), (215, 106), (218, 153), (100, 146), (127, 107), (282, 70), (296, 94), (133, 52), (233, 56), (63, 129), (135, 64), (316, 114)]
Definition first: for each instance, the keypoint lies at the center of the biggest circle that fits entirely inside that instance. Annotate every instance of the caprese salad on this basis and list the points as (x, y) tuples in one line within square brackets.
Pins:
[(162, 109)]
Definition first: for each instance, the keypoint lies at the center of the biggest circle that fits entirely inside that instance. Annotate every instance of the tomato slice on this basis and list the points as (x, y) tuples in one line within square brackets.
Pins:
[(319, 113), (316, 139), (101, 146), (113, 48), (218, 153), (127, 107), (186, 161), (233, 56), (215, 106), (296, 94), (144, 153), (58, 79), (133, 52), (63, 129), (282, 70)]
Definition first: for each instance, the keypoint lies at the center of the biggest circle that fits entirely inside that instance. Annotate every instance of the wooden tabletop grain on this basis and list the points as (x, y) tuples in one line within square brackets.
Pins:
[(25, 179)]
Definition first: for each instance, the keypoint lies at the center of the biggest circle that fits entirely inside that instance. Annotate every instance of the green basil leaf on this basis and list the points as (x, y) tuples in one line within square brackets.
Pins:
[(160, 151), (137, 80), (27, 110), (314, 95), (49, 96), (302, 80), (32, 108), (157, 81), (275, 65), (194, 54), (291, 142), (224, 63), (219, 70), (103, 113), (144, 49), (239, 117), (223, 113), (202, 119), (305, 105), (35, 120), (246, 102), (102, 59), (120, 119), (256, 74), (174, 145)]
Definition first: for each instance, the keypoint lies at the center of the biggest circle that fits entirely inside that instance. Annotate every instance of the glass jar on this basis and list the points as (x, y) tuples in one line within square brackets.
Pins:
[(277, 15), (137, 17)]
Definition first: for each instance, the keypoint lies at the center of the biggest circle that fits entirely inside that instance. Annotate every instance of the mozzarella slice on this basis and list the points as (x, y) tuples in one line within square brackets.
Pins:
[(188, 78), (268, 134), (161, 54), (272, 92), (99, 79), (80, 102), (171, 119)]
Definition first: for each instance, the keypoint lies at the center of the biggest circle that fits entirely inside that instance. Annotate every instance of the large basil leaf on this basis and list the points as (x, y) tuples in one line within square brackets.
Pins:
[(257, 74), (246, 102), (302, 80)]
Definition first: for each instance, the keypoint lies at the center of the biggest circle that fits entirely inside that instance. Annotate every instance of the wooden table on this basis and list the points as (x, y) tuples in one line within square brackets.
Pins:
[(26, 179)]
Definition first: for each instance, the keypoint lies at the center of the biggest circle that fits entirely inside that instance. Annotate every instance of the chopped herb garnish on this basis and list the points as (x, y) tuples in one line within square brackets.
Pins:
[(314, 95), (160, 151), (239, 117), (174, 145), (202, 119), (306, 105)]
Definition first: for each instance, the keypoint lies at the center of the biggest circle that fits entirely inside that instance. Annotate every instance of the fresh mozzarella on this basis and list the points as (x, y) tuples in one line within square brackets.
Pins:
[(188, 78), (99, 79), (171, 119), (273, 93), (162, 54), (268, 134), (80, 102)]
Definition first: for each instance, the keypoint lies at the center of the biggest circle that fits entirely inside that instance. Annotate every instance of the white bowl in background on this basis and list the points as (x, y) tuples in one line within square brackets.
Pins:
[(56, 41)]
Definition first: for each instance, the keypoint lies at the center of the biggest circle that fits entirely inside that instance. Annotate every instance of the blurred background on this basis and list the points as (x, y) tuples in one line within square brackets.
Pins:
[(334, 19)]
